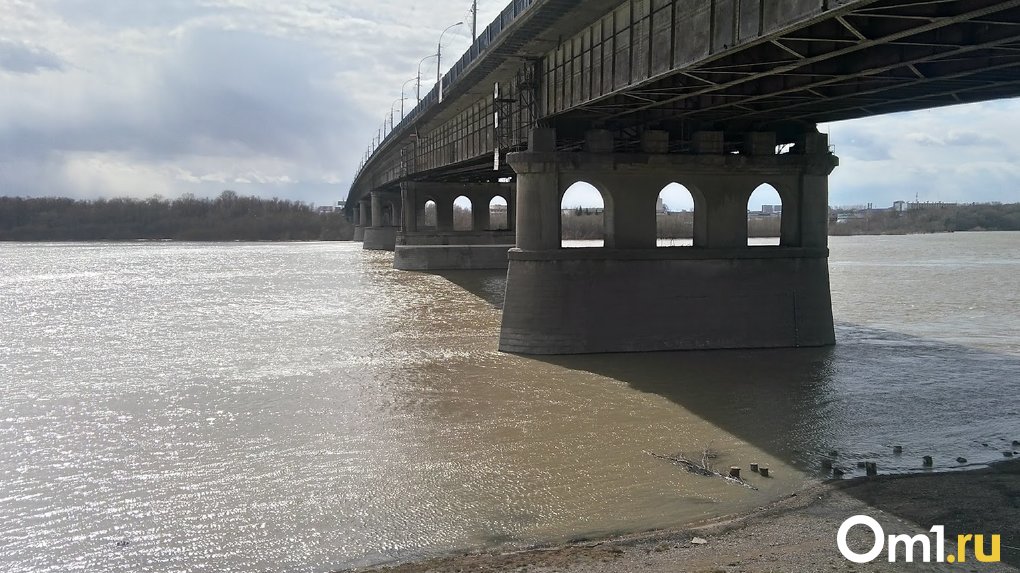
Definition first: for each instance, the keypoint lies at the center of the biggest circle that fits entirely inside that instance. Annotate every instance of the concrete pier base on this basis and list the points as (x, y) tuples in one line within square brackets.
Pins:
[(433, 237), (359, 233), (450, 257), (576, 301), (380, 238)]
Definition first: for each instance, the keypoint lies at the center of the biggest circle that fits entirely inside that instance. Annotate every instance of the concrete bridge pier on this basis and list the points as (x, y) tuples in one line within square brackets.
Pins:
[(429, 245), (381, 234), (359, 225), (630, 295)]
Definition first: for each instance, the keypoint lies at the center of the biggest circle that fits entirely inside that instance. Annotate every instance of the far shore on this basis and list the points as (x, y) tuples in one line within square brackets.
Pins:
[(895, 233), (794, 534)]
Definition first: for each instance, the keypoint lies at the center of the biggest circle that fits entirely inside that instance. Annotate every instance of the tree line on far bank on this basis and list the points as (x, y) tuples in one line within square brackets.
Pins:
[(228, 217), (933, 218)]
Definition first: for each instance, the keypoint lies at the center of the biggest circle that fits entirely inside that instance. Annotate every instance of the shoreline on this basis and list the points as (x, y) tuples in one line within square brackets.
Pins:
[(885, 233), (793, 534)]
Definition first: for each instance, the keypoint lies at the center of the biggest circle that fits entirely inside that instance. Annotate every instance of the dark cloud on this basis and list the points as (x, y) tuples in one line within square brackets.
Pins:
[(281, 98), (23, 59), (197, 95), (233, 95), (263, 95)]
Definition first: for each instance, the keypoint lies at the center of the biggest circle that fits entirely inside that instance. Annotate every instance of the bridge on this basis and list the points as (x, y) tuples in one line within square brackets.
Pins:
[(720, 96)]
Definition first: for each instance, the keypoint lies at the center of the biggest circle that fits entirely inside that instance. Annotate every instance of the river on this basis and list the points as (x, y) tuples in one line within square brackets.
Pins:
[(304, 407)]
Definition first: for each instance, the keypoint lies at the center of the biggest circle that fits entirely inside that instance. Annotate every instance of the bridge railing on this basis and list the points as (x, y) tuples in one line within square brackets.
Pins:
[(478, 48)]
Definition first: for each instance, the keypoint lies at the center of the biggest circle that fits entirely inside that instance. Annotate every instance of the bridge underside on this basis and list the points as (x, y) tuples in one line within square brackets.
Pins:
[(685, 68), (631, 95), (846, 63)]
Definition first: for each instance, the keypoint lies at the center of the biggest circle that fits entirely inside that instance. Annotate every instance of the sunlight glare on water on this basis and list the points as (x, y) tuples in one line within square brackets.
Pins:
[(238, 407)]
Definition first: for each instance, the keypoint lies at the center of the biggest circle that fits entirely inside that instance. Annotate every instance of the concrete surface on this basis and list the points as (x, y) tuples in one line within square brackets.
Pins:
[(576, 301), (450, 257), (380, 238), (457, 238)]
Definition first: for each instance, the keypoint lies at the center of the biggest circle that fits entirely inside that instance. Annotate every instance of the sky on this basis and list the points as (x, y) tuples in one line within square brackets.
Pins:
[(104, 98)]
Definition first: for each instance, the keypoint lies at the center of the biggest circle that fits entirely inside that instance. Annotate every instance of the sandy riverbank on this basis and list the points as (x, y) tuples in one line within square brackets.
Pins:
[(796, 534)]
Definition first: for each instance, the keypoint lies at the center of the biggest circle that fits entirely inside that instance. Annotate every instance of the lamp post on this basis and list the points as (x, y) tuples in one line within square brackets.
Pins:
[(392, 105), (474, 20), (439, 57), (419, 73), (403, 97)]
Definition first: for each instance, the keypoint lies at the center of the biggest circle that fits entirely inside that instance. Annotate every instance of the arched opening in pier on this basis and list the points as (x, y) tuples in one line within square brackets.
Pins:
[(499, 214), (764, 216), (674, 216), (582, 216), (462, 214), (427, 216), (393, 209)]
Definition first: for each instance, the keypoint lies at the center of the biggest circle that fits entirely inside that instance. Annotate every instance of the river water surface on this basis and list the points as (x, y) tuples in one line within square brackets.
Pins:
[(304, 407)]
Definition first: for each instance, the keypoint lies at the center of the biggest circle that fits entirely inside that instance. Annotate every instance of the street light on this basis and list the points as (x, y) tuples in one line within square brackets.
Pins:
[(392, 105), (419, 73), (474, 20), (403, 97), (439, 57)]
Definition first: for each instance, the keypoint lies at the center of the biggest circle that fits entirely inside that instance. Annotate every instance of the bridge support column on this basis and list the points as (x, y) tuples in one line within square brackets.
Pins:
[(364, 219), (444, 215), (441, 247), (359, 229), (630, 296), (381, 235)]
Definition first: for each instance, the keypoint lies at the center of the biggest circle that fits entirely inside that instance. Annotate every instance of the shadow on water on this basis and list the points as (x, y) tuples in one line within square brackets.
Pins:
[(769, 398), (873, 391), (488, 285)]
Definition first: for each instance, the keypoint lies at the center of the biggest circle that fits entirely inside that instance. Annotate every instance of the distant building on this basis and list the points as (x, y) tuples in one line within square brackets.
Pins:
[(660, 207), (845, 217), (929, 205)]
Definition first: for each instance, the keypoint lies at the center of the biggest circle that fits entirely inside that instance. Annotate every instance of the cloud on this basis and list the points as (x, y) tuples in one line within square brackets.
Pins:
[(189, 96), (864, 150), (281, 98), (961, 154), (924, 139), (220, 106), (954, 137), (19, 58)]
